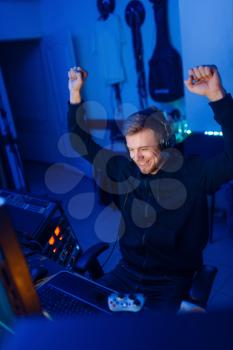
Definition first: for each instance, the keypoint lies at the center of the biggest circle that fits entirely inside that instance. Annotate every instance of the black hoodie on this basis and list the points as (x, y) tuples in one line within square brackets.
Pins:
[(164, 225)]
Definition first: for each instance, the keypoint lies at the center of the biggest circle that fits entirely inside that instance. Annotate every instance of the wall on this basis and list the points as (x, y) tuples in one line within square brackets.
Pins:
[(206, 37), (20, 19)]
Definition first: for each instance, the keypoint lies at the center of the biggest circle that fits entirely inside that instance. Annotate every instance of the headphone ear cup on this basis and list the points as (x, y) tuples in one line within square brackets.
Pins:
[(162, 145), (169, 140), (168, 143)]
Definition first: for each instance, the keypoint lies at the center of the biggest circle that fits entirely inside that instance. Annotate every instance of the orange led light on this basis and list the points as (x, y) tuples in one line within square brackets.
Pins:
[(51, 240), (54, 250), (61, 238), (57, 231)]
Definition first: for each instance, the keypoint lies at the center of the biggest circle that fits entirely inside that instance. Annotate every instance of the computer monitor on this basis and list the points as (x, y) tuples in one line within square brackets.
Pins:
[(17, 293)]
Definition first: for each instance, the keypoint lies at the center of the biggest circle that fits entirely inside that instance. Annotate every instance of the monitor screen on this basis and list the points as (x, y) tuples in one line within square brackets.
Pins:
[(17, 293)]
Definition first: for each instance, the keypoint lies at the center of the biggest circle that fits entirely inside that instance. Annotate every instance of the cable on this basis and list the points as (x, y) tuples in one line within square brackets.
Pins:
[(111, 252)]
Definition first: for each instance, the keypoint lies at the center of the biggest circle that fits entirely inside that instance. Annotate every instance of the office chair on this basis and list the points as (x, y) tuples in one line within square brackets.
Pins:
[(199, 292), (197, 298), (88, 262)]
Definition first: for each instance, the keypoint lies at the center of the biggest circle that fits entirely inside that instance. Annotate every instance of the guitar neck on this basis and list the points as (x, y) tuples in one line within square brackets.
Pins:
[(160, 15)]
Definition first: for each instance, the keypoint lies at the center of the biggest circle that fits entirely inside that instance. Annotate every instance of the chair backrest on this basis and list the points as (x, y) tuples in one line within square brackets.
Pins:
[(88, 262), (200, 290)]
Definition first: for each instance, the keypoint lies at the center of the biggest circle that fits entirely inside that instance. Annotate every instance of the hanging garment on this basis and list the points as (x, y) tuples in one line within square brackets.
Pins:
[(108, 41)]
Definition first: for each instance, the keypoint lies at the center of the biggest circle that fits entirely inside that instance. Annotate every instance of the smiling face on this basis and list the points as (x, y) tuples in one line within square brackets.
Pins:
[(144, 150)]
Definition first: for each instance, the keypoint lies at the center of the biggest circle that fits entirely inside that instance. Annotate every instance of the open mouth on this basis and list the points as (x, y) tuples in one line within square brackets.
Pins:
[(143, 164)]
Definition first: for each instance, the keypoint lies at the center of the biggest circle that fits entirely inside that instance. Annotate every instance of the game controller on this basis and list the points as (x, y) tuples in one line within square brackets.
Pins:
[(126, 302)]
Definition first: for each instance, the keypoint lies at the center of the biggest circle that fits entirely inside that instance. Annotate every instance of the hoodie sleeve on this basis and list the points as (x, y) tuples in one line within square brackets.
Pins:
[(219, 169), (107, 165)]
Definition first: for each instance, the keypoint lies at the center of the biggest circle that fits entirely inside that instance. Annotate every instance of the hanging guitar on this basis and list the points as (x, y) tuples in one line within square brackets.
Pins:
[(135, 16), (165, 74)]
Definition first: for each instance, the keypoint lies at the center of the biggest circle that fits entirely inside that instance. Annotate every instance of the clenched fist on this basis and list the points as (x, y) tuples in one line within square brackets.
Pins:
[(205, 81), (76, 77)]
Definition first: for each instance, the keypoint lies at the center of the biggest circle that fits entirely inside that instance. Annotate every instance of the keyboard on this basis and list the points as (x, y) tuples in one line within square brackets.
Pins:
[(58, 303)]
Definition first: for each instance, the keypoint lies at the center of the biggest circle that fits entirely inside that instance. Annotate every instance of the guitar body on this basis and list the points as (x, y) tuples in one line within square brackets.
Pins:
[(165, 74)]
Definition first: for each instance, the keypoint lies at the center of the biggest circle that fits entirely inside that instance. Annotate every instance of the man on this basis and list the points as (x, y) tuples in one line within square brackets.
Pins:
[(161, 195)]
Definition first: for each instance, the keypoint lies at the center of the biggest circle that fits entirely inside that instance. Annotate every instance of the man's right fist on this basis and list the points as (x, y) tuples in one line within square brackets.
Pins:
[(76, 76)]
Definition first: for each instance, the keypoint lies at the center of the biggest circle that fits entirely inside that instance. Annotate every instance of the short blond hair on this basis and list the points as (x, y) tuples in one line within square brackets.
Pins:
[(150, 118)]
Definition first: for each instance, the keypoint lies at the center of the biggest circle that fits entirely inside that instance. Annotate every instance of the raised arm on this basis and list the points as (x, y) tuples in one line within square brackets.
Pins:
[(80, 137), (206, 81), (109, 166)]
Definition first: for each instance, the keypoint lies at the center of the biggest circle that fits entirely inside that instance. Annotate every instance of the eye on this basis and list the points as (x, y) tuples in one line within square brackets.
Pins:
[(131, 152)]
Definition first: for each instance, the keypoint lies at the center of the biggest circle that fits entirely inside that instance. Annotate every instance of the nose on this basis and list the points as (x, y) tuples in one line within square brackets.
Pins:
[(138, 155)]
